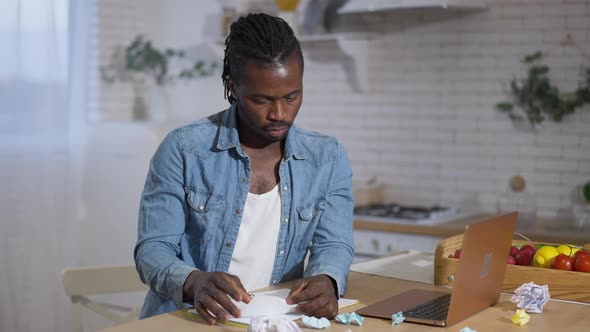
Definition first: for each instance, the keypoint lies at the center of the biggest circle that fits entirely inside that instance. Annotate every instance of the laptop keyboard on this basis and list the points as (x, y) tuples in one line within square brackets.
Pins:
[(435, 309)]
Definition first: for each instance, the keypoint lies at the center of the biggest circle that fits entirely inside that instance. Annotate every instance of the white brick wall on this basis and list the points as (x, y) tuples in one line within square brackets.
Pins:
[(427, 126), (114, 23)]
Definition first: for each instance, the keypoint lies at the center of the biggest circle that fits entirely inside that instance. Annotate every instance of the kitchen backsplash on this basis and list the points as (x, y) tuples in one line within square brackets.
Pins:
[(426, 126)]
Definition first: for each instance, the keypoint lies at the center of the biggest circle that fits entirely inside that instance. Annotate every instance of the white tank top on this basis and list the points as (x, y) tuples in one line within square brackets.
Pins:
[(256, 245)]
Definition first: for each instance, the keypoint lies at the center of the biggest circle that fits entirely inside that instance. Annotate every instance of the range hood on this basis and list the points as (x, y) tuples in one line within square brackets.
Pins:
[(366, 6)]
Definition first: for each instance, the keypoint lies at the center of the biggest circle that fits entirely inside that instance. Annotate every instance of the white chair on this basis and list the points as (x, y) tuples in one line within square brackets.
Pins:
[(84, 281)]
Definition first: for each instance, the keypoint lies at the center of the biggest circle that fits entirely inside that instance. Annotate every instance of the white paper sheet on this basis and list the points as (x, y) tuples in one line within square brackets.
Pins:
[(272, 304)]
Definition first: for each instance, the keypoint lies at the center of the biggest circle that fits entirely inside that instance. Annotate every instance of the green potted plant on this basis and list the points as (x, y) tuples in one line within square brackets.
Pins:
[(141, 63), (536, 98)]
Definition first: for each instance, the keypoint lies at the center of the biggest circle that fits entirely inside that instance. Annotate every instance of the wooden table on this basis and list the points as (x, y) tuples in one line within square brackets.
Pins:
[(369, 289), (546, 230)]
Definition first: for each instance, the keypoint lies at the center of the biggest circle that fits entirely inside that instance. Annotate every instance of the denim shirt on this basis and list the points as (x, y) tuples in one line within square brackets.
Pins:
[(194, 194)]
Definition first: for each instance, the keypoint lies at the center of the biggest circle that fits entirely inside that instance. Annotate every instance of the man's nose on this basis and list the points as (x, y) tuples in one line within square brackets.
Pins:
[(278, 111)]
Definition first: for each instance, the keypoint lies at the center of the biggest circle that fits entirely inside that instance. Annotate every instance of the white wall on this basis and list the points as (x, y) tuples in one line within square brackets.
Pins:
[(427, 125), (36, 235)]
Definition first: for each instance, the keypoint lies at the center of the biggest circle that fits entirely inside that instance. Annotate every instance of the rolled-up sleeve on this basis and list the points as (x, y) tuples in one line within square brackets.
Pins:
[(162, 221), (333, 245)]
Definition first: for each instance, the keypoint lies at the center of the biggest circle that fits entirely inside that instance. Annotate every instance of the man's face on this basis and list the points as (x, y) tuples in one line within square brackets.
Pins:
[(268, 100)]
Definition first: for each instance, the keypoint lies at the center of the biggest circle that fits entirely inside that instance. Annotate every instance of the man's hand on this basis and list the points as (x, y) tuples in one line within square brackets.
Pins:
[(314, 296), (210, 291)]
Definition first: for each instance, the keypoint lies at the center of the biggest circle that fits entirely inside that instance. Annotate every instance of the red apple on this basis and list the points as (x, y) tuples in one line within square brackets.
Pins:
[(513, 251), (525, 255), (511, 260), (524, 258), (579, 253), (527, 247), (582, 262), (562, 262)]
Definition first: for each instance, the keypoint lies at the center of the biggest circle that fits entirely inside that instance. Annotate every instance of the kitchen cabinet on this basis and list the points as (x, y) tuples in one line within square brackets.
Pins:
[(370, 243), (412, 225), (380, 238), (369, 6)]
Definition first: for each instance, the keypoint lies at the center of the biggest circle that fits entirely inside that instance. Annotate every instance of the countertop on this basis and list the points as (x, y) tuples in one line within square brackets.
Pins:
[(370, 289), (546, 230)]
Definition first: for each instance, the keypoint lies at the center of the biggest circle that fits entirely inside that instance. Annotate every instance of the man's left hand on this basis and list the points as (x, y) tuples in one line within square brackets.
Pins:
[(314, 296)]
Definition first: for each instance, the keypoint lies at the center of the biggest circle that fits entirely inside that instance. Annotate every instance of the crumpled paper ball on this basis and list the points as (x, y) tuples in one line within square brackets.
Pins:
[(268, 324), (397, 318), (315, 323), (349, 318), (467, 329), (520, 318), (531, 297)]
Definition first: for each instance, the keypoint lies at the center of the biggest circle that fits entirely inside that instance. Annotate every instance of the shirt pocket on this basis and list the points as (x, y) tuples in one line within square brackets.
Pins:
[(310, 210), (202, 201), (205, 215), (308, 215)]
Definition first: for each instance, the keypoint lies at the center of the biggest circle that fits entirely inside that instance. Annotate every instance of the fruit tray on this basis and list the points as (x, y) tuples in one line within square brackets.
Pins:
[(565, 285)]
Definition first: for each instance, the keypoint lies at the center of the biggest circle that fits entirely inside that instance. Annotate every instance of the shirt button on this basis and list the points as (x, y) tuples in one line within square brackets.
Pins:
[(244, 180), (228, 244), (285, 188), (201, 207), (286, 220), (274, 282), (237, 211), (282, 252)]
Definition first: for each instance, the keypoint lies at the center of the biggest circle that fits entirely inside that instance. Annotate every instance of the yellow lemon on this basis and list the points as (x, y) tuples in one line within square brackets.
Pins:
[(544, 256), (574, 250), (565, 249)]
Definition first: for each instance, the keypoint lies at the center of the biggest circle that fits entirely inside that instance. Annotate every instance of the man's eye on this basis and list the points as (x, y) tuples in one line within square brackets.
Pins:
[(290, 98), (260, 101)]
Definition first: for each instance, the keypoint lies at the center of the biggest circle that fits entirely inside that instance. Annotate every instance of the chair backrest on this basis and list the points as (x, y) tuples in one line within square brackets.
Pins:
[(84, 281)]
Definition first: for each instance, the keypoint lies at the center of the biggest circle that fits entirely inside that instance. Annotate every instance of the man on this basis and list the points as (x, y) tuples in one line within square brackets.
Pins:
[(234, 202)]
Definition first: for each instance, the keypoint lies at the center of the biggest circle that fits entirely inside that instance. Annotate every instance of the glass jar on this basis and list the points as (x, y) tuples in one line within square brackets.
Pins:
[(581, 213), (517, 199), (581, 206)]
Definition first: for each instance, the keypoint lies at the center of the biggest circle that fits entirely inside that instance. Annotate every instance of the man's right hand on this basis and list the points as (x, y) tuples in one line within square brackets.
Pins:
[(210, 292)]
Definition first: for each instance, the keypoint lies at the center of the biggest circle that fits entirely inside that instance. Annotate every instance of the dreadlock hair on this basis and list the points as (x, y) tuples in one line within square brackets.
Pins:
[(259, 38)]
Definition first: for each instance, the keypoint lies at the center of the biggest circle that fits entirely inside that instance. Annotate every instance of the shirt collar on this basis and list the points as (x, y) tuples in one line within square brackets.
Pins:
[(228, 136)]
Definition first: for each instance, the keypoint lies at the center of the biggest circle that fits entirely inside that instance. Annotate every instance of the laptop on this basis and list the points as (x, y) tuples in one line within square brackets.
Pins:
[(477, 282)]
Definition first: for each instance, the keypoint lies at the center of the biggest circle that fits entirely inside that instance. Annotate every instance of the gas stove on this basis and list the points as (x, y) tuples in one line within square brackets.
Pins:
[(406, 214)]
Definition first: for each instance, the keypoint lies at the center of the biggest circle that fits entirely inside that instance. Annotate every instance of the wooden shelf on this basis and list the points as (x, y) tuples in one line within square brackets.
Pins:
[(355, 46)]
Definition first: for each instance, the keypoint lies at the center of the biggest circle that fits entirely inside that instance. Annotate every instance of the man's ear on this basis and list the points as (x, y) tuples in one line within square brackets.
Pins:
[(232, 88)]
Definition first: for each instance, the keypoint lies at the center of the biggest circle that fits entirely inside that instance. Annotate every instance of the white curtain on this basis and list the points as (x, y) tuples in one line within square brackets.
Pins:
[(37, 232)]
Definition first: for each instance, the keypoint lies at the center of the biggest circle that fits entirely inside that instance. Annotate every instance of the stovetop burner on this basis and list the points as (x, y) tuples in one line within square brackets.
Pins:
[(398, 211)]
